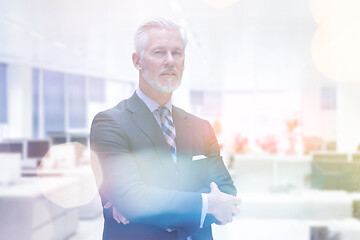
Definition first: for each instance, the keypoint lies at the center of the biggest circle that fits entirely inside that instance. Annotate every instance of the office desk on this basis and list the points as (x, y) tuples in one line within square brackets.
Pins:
[(25, 212)]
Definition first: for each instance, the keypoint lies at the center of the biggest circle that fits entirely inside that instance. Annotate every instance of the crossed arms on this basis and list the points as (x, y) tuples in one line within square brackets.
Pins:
[(134, 200)]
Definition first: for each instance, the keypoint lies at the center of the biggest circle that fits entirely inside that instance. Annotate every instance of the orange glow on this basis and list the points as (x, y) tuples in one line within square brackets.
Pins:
[(335, 14)]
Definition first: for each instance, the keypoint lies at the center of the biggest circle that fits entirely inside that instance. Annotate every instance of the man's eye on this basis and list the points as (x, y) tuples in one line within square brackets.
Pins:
[(159, 52)]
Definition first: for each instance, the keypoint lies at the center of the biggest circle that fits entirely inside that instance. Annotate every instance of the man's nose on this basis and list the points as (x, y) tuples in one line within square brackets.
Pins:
[(169, 61)]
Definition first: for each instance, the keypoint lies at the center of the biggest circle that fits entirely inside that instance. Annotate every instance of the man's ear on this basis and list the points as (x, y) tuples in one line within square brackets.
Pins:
[(136, 60)]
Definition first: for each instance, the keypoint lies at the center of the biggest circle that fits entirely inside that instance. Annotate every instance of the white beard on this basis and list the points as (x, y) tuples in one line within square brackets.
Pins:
[(155, 83)]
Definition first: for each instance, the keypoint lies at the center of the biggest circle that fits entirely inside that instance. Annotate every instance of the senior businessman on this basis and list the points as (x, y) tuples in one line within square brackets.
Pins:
[(163, 176)]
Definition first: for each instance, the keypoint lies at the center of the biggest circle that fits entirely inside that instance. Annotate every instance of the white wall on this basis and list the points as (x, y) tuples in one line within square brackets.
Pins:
[(348, 116)]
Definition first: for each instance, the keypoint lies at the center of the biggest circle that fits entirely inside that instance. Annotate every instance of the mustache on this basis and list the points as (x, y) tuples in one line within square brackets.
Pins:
[(170, 70)]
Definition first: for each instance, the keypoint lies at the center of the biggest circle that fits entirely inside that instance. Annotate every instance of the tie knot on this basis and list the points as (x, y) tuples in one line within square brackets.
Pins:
[(164, 112)]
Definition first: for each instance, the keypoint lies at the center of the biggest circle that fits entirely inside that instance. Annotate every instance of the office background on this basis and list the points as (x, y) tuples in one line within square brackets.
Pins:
[(278, 80)]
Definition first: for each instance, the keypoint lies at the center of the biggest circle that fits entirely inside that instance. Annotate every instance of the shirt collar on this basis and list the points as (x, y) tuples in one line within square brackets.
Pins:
[(151, 104)]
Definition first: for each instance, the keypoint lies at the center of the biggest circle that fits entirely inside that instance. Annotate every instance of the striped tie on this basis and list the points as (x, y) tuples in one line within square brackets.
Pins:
[(168, 128)]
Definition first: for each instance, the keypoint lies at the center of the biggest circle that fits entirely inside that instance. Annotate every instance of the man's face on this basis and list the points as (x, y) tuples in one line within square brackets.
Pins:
[(162, 60)]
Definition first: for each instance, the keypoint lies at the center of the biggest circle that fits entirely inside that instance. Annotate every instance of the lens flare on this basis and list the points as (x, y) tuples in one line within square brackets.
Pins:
[(71, 164), (335, 47)]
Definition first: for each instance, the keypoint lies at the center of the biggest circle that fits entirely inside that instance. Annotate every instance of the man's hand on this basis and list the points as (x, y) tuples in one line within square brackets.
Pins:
[(116, 215), (223, 206)]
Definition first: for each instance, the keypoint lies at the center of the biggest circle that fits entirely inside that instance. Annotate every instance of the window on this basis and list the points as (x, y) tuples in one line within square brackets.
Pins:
[(64, 102), (96, 89), (76, 97), (54, 101)]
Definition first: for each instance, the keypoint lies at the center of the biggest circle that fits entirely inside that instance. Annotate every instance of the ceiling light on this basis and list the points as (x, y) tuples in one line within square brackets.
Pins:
[(59, 45), (220, 3), (37, 35), (12, 23)]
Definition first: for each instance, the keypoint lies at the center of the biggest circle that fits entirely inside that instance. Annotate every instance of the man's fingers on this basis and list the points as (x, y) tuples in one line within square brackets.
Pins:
[(107, 205), (123, 220), (119, 218), (115, 215)]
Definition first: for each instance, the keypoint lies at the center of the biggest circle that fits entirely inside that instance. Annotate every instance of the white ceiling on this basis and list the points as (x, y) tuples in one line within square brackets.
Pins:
[(252, 43)]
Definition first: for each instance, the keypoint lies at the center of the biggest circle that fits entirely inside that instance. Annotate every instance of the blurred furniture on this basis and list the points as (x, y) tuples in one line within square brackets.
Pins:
[(335, 171), (356, 157), (27, 214), (32, 150), (319, 233), (330, 156), (268, 173), (330, 146), (355, 196), (307, 204), (276, 199), (283, 173), (10, 168)]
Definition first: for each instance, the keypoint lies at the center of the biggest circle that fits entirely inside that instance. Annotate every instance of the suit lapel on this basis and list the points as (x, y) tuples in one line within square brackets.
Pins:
[(144, 120)]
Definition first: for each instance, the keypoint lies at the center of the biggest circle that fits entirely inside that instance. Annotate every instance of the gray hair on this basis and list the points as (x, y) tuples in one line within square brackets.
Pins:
[(141, 38)]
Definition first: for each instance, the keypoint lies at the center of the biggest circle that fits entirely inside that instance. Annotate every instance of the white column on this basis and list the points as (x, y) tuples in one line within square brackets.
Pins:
[(348, 116), (19, 100)]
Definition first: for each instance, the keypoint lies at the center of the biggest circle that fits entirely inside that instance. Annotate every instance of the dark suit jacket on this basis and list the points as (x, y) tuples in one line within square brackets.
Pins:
[(141, 180)]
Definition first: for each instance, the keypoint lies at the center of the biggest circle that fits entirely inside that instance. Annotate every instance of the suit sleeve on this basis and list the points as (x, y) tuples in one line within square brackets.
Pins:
[(123, 187)]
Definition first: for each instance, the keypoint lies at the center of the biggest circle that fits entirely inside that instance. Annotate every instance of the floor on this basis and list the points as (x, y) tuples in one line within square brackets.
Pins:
[(89, 229)]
